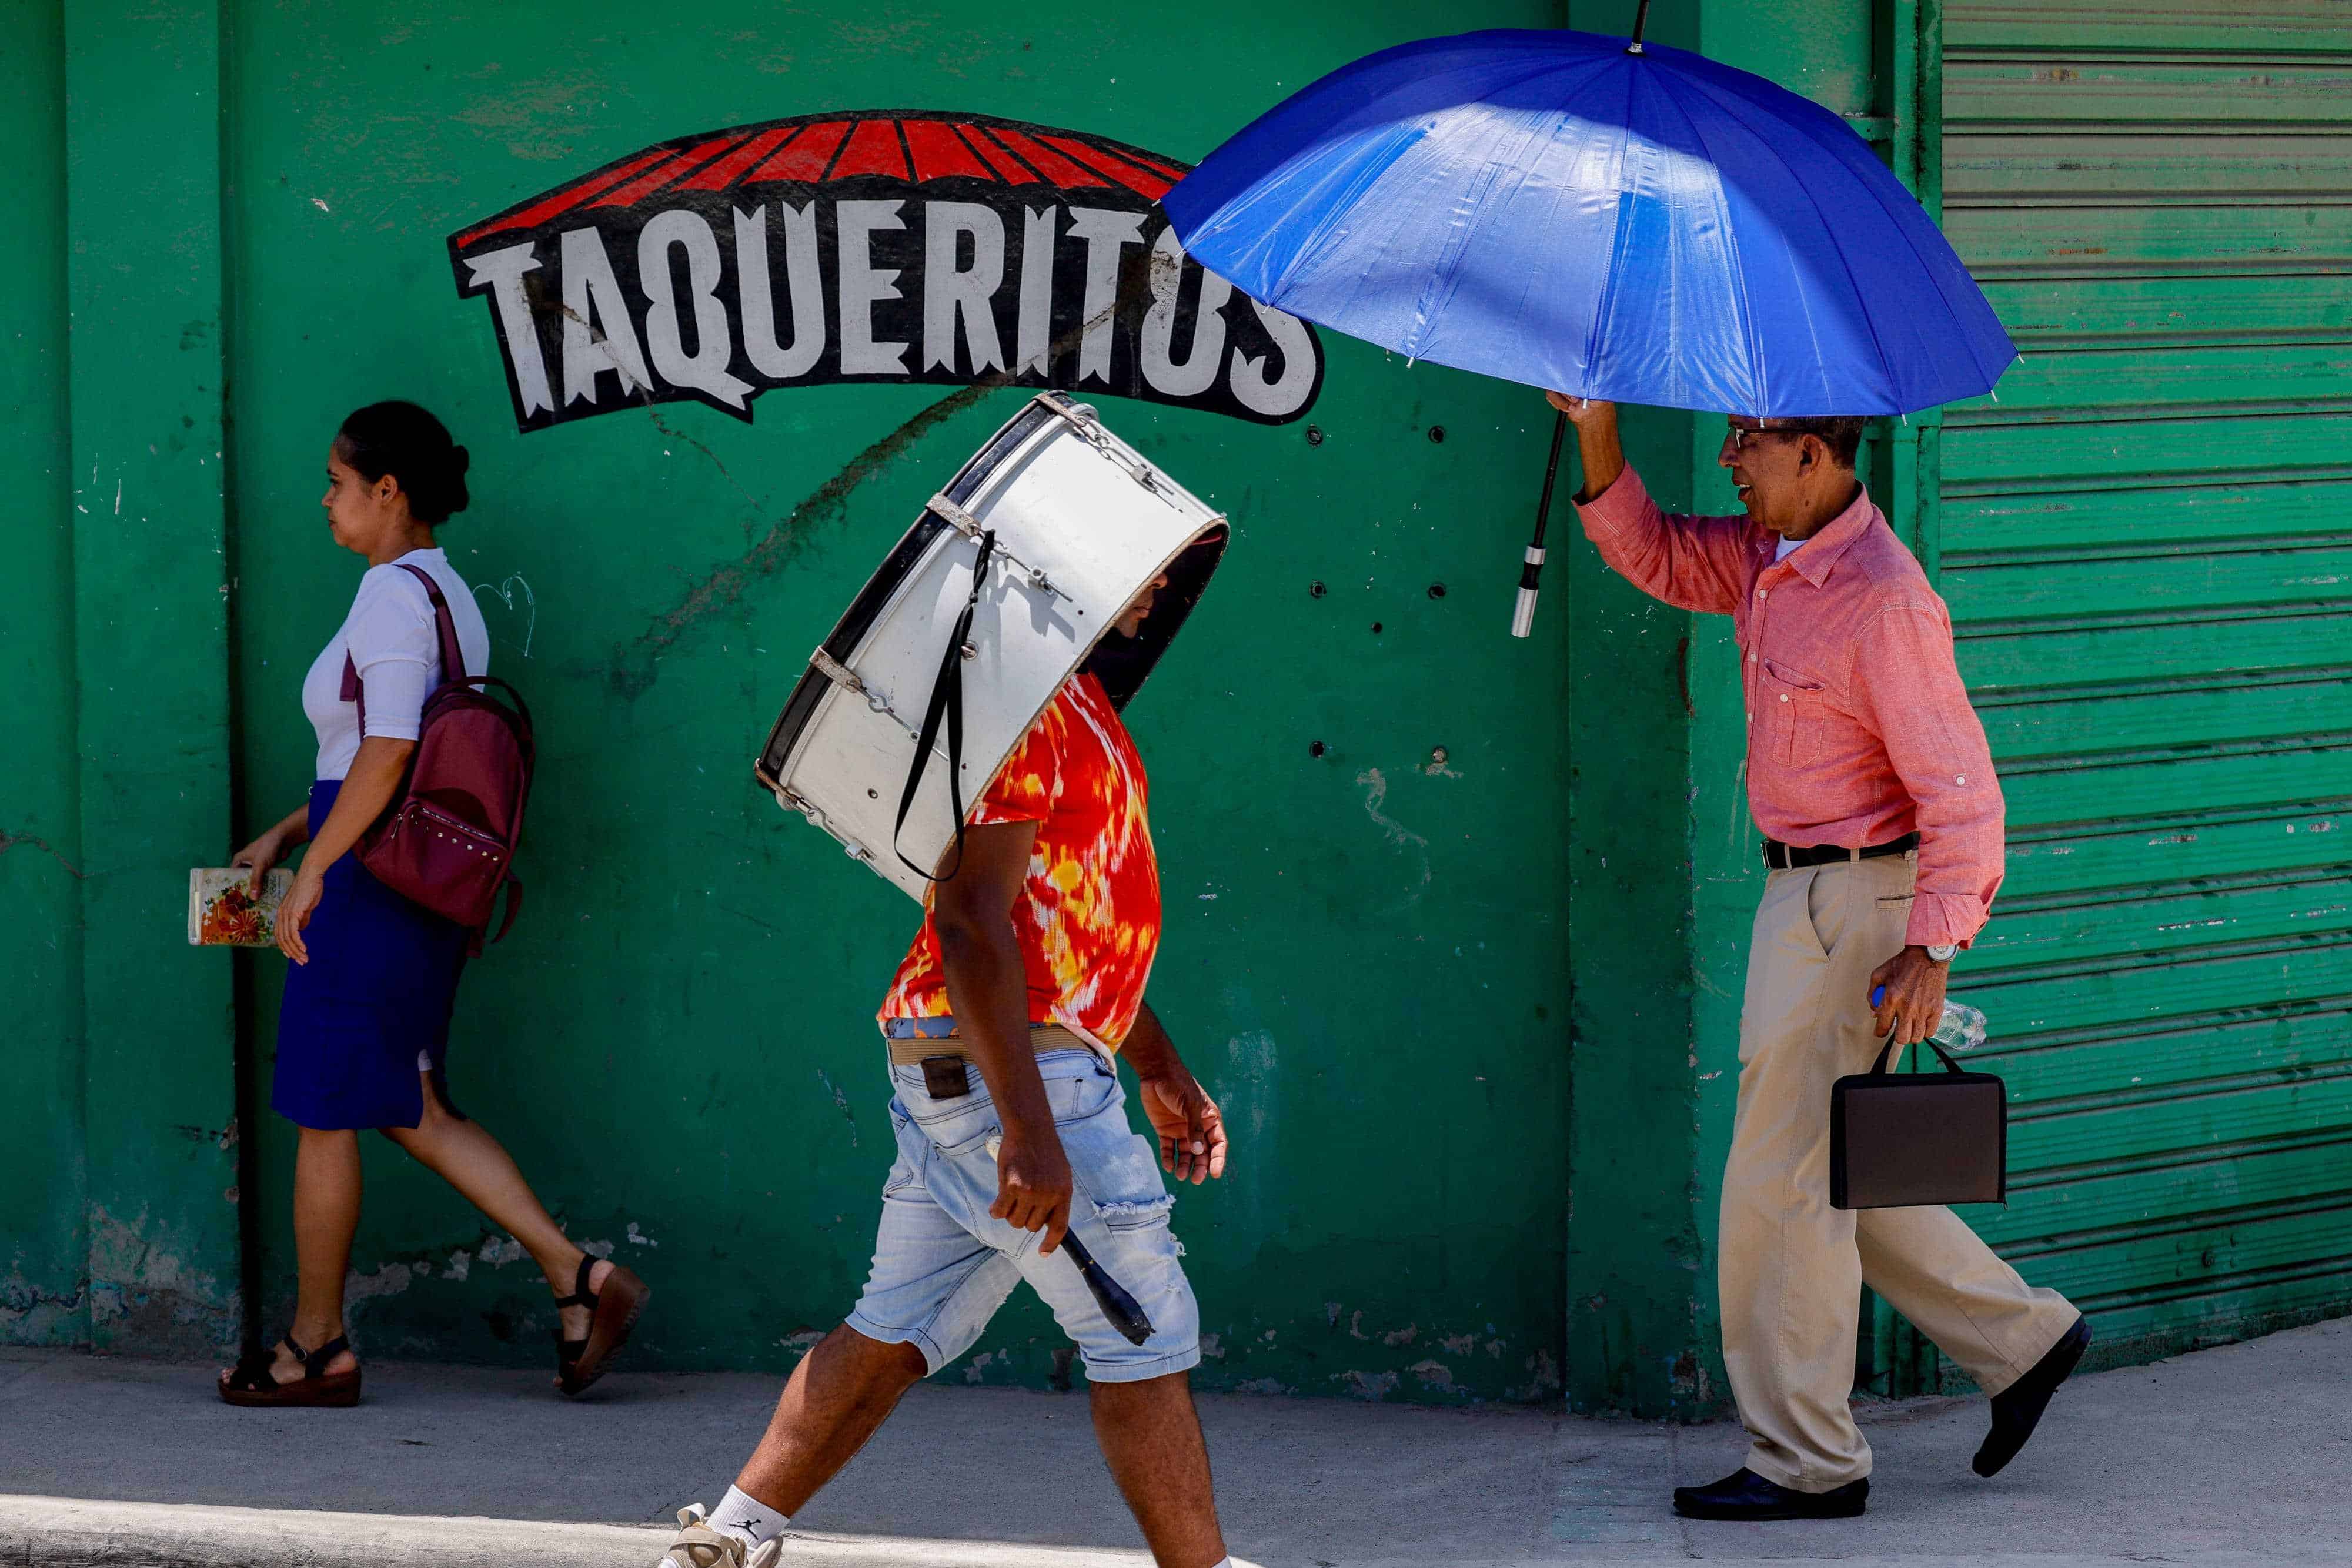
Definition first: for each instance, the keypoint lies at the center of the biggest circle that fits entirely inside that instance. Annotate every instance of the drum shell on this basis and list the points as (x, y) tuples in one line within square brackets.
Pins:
[(1065, 501)]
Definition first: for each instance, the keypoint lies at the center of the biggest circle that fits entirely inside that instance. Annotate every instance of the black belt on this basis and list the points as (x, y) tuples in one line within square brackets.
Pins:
[(1786, 857)]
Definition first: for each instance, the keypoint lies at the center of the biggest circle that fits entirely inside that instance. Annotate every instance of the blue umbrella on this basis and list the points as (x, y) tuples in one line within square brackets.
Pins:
[(1612, 219)]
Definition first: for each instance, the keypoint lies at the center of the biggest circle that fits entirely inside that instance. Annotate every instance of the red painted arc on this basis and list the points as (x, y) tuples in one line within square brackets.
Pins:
[(646, 184), (916, 151), (1141, 180), (872, 149), (806, 158), (562, 200)]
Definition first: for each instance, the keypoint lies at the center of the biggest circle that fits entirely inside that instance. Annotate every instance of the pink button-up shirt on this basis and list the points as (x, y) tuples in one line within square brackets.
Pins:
[(1859, 730)]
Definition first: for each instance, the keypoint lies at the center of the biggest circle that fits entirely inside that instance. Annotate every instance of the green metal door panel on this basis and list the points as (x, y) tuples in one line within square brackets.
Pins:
[(1974, 28), (1365, 914), (2245, 1053), (2087, 790), (2143, 541), (2138, 857), (2160, 308), (2168, 380), (2257, 1302), (2160, 579), (2022, 164), (2183, 1120), (2150, 922), (2120, 1196), (1993, 519), (2044, 735), (2071, 1001), (2280, 234), (2222, 448), (2074, 81), (2124, 651), (44, 1244), (2300, 1239)]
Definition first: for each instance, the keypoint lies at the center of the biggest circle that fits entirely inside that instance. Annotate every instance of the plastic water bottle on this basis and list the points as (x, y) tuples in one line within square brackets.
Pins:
[(1961, 1027)]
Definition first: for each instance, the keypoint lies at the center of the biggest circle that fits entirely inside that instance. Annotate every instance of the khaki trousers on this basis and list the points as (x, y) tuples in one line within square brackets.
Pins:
[(1792, 1268)]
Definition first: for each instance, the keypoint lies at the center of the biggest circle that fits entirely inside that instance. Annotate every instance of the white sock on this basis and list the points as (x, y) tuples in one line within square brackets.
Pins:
[(746, 1518)]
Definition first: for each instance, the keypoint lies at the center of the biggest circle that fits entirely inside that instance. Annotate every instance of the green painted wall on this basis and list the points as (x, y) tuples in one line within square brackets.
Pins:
[(150, 580), (44, 1250), (1366, 952)]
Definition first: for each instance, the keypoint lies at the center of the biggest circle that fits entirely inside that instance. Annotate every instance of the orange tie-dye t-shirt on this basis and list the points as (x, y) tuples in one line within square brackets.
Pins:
[(1089, 925)]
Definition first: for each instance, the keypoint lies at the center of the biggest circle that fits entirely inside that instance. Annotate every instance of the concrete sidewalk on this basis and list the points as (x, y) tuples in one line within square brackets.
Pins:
[(2241, 1455)]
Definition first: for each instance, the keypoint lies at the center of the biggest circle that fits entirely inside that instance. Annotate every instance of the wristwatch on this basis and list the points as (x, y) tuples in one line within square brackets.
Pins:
[(1941, 952)]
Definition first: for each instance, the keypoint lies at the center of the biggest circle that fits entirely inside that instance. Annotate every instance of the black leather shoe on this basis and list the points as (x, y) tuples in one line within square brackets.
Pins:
[(1744, 1494), (2016, 1408)]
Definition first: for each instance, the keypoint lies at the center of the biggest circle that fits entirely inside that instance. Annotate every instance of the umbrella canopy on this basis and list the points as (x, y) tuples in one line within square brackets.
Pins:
[(1634, 223)]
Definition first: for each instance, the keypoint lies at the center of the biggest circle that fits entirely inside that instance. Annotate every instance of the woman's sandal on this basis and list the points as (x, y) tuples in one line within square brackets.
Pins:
[(252, 1383), (613, 1313)]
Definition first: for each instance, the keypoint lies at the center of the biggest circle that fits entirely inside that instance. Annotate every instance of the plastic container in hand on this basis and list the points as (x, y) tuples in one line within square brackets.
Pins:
[(1961, 1027)]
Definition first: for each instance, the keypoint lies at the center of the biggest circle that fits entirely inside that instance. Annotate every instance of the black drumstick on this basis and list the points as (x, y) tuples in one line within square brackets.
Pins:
[(1125, 1313)]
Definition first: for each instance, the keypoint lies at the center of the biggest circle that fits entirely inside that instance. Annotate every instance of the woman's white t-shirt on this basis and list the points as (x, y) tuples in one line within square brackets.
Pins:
[(391, 637)]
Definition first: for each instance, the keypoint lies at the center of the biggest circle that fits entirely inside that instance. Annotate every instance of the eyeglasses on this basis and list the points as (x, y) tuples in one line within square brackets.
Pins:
[(1740, 433)]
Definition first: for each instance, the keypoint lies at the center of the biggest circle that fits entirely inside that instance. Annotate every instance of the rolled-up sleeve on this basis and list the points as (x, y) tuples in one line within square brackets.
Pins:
[(1692, 563), (1909, 691)]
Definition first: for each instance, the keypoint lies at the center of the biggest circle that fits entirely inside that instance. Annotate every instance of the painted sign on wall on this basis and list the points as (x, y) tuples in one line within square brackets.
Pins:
[(870, 246)]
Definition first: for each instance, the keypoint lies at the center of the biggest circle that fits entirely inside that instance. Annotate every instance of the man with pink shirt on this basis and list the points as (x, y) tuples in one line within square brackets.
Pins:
[(1869, 775)]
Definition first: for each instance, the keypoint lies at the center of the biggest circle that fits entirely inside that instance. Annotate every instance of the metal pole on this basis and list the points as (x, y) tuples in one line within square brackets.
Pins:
[(1641, 18), (1523, 616)]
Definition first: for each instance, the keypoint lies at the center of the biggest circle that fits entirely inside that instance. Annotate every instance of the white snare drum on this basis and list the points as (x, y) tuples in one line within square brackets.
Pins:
[(1082, 523)]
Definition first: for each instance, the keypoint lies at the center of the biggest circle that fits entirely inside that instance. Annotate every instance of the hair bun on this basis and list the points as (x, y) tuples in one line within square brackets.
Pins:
[(405, 441)]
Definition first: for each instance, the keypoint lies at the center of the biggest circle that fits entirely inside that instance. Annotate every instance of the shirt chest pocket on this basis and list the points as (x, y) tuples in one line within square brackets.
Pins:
[(1793, 712)]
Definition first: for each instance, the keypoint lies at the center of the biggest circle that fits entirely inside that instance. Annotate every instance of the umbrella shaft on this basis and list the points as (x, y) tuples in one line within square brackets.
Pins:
[(1551, 473), (1640, 18)]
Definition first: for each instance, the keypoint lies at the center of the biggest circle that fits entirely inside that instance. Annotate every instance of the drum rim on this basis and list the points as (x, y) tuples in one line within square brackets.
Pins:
[(777, 759)]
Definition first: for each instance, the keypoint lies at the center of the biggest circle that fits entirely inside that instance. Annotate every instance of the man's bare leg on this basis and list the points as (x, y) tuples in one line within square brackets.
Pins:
[(836, 1399), (1150, 1438)]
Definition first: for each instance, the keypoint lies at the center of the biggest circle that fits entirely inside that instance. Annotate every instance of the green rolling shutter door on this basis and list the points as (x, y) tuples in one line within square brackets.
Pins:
[(2146, 544)]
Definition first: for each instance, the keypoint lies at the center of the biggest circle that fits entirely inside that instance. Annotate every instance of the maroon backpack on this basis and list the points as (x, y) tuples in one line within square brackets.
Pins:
[(448, 840)]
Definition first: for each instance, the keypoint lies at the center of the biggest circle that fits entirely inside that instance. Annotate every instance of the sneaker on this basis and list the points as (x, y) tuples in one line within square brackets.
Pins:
[(696, 1545)]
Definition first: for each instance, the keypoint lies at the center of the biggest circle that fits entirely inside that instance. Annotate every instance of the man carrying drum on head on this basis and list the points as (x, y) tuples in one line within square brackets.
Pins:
[(1030, 968)]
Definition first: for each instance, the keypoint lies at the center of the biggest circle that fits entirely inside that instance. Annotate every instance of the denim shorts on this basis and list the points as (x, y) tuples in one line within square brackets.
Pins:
[(942, 1264)]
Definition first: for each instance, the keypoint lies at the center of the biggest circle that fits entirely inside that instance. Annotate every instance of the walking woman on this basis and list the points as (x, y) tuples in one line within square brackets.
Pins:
[(364, 1034)]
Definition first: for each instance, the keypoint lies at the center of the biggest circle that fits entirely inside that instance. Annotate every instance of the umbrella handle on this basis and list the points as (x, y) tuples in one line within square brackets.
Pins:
[(1523, 614)]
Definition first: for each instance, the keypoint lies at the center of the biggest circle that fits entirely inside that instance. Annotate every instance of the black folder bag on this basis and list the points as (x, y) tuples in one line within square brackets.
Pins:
[(1900, 1139)]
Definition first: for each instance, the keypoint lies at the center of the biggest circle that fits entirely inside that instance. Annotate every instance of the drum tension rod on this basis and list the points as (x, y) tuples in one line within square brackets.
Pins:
[(970, 526), (1082, 418), (848, 680)]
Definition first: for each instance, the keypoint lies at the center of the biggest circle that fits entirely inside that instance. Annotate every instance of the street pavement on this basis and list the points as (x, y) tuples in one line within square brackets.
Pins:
[(2236, 1455)]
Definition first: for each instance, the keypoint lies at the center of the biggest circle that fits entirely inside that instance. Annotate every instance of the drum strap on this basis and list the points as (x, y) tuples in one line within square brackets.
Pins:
[(946, 700)]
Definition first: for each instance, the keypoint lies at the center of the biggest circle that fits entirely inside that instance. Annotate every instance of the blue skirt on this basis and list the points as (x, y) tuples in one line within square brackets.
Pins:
[(371, 1010)]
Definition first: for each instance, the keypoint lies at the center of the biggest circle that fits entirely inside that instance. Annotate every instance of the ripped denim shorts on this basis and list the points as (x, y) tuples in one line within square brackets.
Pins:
[(942, 1264)]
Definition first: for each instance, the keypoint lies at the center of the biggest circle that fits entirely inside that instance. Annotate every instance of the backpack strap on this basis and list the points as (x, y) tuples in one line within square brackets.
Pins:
[(453, 656), (478, 938)]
